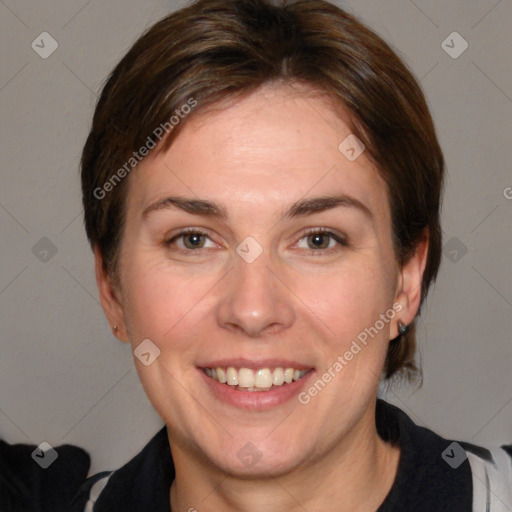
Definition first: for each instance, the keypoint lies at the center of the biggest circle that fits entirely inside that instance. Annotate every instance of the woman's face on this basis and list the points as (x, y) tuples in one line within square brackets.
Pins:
[(255, 284)]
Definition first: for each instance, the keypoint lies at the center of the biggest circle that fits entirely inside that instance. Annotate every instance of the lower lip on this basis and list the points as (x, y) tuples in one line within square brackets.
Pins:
[(256, 400)]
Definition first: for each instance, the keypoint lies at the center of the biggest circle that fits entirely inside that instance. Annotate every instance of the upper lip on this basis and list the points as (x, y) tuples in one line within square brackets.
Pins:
[(255, 364)]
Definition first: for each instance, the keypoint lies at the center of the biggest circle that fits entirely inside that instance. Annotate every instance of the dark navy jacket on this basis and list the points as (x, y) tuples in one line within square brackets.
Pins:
[(434, 474), (26, 486)]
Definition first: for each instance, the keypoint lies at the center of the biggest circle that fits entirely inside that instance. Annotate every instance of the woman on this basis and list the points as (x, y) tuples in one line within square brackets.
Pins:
[(261, 189)]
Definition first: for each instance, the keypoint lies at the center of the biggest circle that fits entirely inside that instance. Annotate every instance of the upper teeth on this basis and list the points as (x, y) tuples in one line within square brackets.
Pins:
[(262, 378)]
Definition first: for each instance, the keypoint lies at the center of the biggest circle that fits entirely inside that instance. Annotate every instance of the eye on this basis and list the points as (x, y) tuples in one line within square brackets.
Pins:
[(321, 240), (190, 239)]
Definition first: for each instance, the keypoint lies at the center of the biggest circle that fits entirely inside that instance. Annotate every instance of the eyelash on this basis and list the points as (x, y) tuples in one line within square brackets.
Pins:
[(341, 241)]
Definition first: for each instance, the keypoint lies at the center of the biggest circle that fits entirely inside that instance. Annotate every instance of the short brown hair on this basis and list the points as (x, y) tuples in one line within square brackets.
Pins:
[(214, 50)]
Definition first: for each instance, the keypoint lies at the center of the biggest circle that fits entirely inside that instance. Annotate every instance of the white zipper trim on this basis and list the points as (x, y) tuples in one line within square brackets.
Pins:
[(492, 482), (95, 492)]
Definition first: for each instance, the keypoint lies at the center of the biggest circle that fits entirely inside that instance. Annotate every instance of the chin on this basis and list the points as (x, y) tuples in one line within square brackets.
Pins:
[(259, 459)]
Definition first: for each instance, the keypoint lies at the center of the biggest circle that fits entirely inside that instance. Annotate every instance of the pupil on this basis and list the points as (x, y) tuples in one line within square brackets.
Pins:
[(318, 240), (194, 239)]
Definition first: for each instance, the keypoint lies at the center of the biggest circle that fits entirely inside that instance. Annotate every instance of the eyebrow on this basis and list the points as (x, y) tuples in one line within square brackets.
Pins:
[(300, 208)]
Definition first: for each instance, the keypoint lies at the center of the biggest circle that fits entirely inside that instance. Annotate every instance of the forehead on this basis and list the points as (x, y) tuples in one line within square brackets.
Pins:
[(277, 145)]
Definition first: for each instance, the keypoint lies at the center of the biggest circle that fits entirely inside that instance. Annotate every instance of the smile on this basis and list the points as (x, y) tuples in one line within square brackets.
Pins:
[(262, 379)]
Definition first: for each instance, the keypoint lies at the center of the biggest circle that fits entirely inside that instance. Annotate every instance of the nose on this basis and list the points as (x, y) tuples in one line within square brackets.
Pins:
[(255, 301)]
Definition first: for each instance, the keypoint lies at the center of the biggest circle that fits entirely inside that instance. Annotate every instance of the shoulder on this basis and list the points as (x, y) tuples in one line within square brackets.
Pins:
[(491, 470), (143, 483), (35, 479), (436, 473)]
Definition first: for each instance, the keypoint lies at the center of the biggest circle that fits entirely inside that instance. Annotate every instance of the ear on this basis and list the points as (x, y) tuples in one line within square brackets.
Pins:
[(408, 292), (110, 300)]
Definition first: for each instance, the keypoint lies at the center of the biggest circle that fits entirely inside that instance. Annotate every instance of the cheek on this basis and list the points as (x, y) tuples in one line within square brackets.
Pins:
[(160, 302), (350, 303), (347, 298)]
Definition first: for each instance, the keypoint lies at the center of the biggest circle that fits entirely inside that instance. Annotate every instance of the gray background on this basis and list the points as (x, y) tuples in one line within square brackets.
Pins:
[(65, 379)]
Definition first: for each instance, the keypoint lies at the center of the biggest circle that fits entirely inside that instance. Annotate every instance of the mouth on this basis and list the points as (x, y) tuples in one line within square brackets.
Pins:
[(263, 379)]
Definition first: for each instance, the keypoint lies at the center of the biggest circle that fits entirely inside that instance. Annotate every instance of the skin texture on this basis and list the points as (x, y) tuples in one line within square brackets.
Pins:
[(295, 301)]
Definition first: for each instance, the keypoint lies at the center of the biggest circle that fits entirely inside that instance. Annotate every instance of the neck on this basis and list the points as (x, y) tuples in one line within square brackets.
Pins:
[(355, 475)]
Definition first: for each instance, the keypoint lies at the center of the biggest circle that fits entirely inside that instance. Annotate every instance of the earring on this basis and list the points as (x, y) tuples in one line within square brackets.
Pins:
[(114, 329), (402, 328)]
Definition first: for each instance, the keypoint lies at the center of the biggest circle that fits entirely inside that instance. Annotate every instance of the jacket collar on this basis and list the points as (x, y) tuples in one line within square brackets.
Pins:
[(424, 481)]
